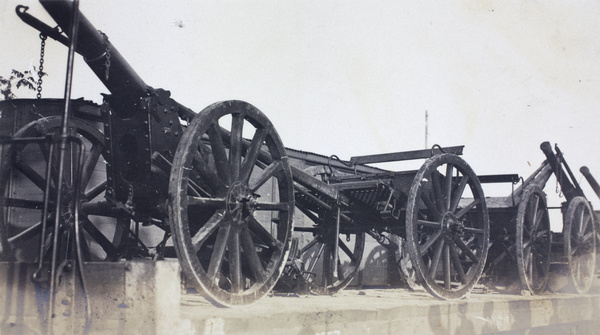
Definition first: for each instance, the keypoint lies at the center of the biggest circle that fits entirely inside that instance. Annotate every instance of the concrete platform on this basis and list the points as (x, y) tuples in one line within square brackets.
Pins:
[(144, 297)]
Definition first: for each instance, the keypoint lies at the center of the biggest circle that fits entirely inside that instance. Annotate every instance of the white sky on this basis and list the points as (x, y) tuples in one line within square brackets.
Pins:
[(356, 77)]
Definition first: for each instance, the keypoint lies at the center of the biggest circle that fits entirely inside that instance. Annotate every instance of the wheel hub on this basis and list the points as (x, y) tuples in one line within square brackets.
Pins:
[(451, 225), (240, 202)]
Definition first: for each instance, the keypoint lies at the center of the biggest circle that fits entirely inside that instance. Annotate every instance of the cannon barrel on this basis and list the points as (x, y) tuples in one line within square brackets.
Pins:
[(591, 180), (122, 81), (569, 190)]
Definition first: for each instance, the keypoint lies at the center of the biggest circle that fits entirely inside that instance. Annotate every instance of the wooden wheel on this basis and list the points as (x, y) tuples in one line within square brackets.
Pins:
[(23, 180), (533, 240), (580, 243), (231, 203), (320, 251), (447, 226)]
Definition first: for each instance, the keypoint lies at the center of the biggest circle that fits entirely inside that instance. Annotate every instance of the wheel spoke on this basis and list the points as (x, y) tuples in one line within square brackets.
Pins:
[(272, 206), (467, 208), (587, 238), (32, 175), (216, 258), (252, 154), (90, 164), (468, 252), (219, 153), (24, 203), (472, 230), (308, 246), (97, 235), (429, 224), (264, 235), (457, 264), (235, 261), (527, 255), (574, 246), (585, 223), (45, 149), (250, 252), (431, 206), (207, 229), (207, 203), (315, 258), (534, 220), (423, 248), (208, 176), (100, 208), (448, 186), (446, 267), (95, 191), (437, 191), (235, 152), (436, 258), (347, 251), (266, 174), (458, 193), (26, 234)]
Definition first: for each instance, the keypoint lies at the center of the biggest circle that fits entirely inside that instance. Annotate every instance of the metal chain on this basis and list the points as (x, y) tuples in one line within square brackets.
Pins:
[(41, 68), (107, 60)]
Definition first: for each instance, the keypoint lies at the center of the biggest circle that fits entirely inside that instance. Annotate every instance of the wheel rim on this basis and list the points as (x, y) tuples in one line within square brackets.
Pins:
[(23, 180), (231, 203), (580, 243), (533, 240), (447, 238)]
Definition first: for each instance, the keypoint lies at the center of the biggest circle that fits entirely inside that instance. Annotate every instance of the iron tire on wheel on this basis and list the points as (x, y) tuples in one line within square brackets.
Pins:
[(443, 231), (580, 244), (231, 204), (533, 240)]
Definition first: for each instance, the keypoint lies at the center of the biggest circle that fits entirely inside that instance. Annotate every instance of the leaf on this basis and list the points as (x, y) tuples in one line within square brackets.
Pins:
[(18, 74)]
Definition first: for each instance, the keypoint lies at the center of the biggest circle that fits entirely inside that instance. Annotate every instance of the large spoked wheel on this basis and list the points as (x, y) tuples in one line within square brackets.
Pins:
[(318, 254), (533, 241), (580, 243), (335, 274), (23, 182), (231, 203), (447, 226)]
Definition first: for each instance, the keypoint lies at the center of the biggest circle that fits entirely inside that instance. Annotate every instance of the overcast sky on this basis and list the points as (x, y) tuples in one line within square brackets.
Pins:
[(356, 77)]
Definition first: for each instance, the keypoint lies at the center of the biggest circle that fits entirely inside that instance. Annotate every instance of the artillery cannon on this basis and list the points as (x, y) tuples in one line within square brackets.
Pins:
[(222, 190), (215, 214), (521, 230)]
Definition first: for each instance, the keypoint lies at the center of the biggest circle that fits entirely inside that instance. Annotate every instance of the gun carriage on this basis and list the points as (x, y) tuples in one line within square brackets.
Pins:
[(221, 190), (521, 233)]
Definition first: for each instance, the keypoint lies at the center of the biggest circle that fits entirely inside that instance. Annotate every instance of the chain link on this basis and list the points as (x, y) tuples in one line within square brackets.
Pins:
[(41, 68)]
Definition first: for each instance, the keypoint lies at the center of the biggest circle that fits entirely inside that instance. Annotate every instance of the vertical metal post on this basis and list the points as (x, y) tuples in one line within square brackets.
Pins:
[(426, 129), (61, 159), (336, 242), (44, 220)]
